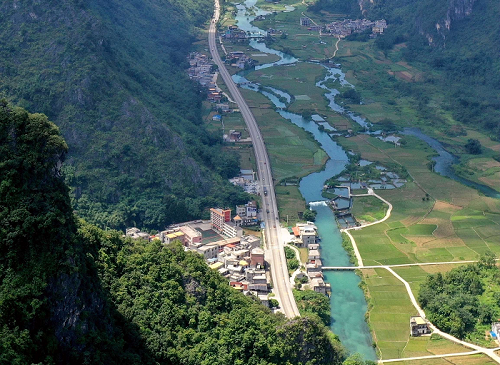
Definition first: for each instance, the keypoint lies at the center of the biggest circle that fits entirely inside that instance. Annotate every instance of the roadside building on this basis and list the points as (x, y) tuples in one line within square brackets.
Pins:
[(166, 237), (237, 221), (305, 234), (418, 326), (251, 209), (230, 229), (305, 21), (218, 217), (209, 251), (257, 257), (319, 286), (241, 210), (136, 234), (191, 235), (314, 255)]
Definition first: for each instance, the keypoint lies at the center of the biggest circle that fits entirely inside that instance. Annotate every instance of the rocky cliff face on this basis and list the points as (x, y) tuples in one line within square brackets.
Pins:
[(430, 18), (456, 10)]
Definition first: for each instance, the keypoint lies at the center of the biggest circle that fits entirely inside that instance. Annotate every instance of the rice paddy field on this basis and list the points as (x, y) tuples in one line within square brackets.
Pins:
[(389, 311), (292, 151), (478, 359), (434, 219)]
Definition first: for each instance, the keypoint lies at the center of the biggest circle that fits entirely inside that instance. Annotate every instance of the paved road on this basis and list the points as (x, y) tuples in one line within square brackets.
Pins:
[(275, 250)]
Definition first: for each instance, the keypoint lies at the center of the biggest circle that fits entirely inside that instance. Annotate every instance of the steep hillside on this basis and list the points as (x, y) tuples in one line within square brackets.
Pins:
[(71, 293), (459, 38), (111, 76), (52, 306)]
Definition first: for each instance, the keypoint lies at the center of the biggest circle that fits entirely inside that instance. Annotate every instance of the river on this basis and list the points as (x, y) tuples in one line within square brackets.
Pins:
[(445, 161), (348, 304)]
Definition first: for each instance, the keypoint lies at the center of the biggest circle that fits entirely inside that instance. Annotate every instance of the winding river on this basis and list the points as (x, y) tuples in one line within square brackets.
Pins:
[(348, 304), (445, 161)]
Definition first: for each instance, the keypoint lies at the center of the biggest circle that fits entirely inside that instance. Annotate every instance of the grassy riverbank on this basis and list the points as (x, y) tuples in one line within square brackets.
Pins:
[(293, 153), (434, 218)]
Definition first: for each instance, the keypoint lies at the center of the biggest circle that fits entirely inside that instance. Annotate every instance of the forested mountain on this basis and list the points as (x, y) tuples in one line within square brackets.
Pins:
[(111, 74), (457, 38), (71, 293)]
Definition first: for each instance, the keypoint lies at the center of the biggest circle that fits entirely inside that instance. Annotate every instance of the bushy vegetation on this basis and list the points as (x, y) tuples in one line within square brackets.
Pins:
[(71, 293), (345, 7), (291, 260), (309, 215), (52, 306), (312, 303), (111, 75), (464, 300)]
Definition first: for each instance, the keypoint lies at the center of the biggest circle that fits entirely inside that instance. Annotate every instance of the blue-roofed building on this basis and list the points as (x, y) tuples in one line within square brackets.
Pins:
[(217, 117)]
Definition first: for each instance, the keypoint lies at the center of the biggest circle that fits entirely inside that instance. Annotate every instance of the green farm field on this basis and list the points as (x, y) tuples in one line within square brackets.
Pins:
[(292, 152), (390, 307), (434, 219), (299, 80), (478, 359), (290, 202), (368, 208)]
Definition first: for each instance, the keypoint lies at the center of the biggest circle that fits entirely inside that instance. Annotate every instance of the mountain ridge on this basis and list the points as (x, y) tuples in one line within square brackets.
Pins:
[(112, 77)]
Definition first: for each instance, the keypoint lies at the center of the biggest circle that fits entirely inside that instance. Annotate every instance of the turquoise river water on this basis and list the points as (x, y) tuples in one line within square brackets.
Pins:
[(348, 304)]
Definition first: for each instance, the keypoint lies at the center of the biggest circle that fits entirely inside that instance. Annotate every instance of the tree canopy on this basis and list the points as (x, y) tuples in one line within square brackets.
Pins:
[(71, 293), (461, 301)]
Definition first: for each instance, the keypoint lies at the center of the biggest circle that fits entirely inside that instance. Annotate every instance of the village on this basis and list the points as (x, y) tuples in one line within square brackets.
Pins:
[(240, 257), (346, 27)]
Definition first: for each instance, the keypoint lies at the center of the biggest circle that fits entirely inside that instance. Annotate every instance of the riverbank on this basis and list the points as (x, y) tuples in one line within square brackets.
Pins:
[(434, 218)]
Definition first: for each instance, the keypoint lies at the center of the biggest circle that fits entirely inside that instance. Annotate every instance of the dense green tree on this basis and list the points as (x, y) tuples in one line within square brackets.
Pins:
[(52, 306), (311, 302), (293, 264), (309, 215), (455, 302), (111, 75), (473, 146), (71, 293)]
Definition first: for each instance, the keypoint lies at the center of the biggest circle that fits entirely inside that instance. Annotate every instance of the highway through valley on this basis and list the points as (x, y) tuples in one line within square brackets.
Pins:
[(274, 251)]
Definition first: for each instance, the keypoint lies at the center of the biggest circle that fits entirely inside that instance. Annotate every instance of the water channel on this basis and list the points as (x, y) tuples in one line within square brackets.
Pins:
[(348, 304), (445, 161)]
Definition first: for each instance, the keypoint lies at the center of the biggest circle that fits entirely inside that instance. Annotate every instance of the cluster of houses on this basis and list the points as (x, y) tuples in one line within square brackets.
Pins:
[(247, 181), (242, 263), (201, 69), (237, 35), (221, 242), (234, 34), (305, 235), (345, 27), (239, 59)]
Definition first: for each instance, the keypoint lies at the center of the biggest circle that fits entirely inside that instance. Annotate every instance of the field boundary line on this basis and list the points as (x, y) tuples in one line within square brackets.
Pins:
[(475, 352)]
